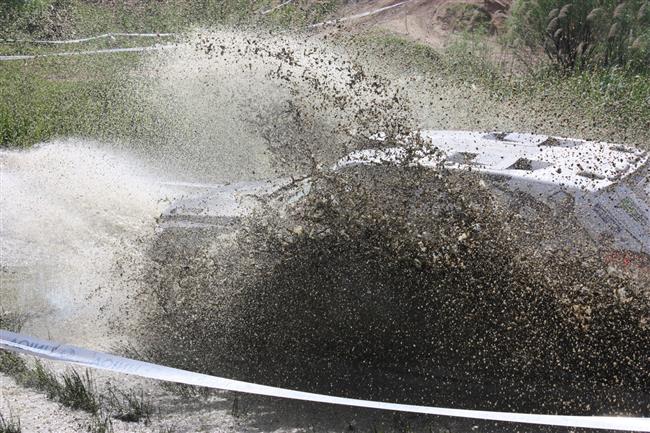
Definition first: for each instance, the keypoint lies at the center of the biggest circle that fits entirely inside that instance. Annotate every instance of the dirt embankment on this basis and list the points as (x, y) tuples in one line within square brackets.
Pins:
[(428, 21)]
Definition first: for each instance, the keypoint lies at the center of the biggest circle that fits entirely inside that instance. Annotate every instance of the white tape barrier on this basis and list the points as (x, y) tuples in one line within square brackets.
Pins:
[(361, 15), (158, 47), (90, 38), (89, 358), (85, 53)]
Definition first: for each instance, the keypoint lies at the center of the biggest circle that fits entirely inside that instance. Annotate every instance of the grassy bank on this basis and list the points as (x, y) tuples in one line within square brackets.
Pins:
[(56, 19), (94, 96), (71, 96)]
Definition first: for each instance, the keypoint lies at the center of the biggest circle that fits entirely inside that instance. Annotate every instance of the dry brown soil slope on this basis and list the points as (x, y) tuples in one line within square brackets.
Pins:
[(428, 21)]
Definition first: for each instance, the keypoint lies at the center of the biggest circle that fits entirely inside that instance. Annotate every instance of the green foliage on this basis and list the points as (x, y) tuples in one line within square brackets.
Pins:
[(78, 392), (129, 406), (586, 33)]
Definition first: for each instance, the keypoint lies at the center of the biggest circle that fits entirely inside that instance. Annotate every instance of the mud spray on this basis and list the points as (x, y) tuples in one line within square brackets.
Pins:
[(384, 283), (69, 209)]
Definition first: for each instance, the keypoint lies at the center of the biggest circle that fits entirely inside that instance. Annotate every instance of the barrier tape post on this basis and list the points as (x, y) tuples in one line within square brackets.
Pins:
[(88, 358)]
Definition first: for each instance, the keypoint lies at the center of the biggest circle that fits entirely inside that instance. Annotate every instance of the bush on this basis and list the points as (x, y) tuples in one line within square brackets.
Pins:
[(129, 406), (78, 392), (586, 33)]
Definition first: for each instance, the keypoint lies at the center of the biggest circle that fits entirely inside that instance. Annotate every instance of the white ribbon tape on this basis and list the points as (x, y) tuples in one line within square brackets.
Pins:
[(82, 53), (361, 15), (90, 38), (89, 358)]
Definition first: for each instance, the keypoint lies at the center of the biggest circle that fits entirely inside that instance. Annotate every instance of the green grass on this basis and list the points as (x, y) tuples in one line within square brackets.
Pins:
[(129, 406), (9, 425), (56, 19), (71, 390), (73, 96), (78, 391), (40, 378), (94, 96)]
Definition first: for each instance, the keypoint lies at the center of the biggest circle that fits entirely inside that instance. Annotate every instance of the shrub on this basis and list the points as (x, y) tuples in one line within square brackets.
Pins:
[(78, 392), (586, 33), (129, 406)]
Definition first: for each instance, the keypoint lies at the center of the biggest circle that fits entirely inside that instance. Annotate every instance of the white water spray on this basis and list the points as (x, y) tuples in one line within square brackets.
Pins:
[(69, 210)]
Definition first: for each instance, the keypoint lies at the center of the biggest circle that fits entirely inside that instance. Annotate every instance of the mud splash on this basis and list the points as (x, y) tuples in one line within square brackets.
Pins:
[(419, 284), (359, 291), (70, 209), (428, 288)]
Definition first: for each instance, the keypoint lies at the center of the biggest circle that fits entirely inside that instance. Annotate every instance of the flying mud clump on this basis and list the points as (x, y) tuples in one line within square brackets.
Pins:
[(396, 282), (248, 106)]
